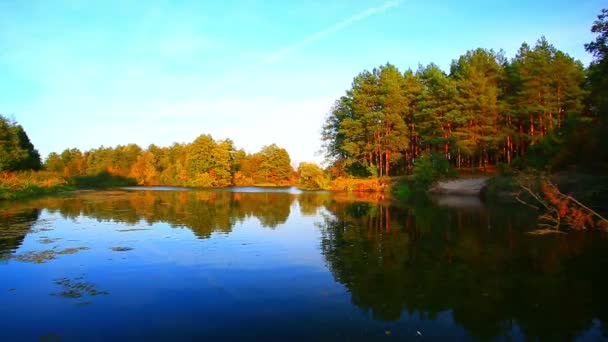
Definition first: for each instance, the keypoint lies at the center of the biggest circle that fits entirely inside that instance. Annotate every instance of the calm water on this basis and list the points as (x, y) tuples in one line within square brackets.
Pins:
[(177, 264)]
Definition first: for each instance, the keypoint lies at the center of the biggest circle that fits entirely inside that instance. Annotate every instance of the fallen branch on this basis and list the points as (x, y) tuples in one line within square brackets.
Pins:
[(560, 210)]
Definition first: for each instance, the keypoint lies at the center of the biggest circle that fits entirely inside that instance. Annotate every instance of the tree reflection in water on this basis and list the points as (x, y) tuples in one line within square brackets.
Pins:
[(478, 264), (395, 259)]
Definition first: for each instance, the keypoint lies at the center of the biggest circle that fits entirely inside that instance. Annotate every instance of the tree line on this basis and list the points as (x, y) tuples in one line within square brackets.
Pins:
[(205, 162), (542, 107), (428, 260)]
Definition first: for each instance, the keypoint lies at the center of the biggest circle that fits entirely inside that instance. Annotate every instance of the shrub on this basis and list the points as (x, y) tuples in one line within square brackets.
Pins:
[(101, 180), (312, 177), (402, 191), (430, 167), (28, 183)]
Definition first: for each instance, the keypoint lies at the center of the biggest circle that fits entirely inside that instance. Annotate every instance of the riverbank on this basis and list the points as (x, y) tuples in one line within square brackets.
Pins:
[(589, 187), (27, 184), (460, 187), (18, 185)]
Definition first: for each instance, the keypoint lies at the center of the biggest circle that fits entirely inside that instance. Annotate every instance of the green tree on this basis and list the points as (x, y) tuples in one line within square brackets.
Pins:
[(16, 150), (74, 163), (474, 122), (32, 159), (394, 101), (312, 177), (596, 142), (546, 98), (54, 163), (199, 161), (275, 166), (222, 158), (435, 109), (11, 154), (412, 91)]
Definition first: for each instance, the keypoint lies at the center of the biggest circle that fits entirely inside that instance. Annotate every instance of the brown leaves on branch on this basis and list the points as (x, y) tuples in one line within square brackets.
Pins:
[(558, 210)]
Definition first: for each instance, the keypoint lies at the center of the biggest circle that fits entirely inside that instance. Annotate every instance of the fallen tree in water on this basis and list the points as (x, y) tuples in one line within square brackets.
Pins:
[(558, 210)]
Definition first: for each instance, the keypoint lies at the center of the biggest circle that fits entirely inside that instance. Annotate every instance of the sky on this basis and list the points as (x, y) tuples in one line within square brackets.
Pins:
[(78, 73)]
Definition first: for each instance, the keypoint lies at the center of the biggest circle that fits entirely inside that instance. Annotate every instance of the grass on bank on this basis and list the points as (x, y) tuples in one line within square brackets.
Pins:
[(24, 184), (16, 185)]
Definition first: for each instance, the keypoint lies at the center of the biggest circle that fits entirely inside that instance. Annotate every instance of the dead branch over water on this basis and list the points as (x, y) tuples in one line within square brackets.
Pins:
[(558, 210)]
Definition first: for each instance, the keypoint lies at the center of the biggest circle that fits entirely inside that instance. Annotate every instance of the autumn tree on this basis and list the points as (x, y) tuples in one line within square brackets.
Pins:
[(275, 166), (311, 176), (143, 169)]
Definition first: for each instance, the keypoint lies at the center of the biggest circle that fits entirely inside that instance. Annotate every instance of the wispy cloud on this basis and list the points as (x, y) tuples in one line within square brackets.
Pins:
[(282, 53)]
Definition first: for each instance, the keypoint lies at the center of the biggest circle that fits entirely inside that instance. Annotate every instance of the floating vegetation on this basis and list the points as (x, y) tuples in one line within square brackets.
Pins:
[(39, 257), (72, 250), (47, 241), (77, 288), (132, 230), (121, 249)]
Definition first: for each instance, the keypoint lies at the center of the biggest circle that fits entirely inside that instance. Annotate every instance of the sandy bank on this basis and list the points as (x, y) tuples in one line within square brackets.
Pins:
[(461, 187)]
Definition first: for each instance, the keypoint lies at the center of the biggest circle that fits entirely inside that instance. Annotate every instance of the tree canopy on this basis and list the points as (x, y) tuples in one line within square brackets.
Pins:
[(486, 110), (205, 162), (16, 150)]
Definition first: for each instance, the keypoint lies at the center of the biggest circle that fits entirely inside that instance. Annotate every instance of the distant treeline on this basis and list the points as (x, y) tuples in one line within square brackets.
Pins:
[(542, 107), (203, 163)]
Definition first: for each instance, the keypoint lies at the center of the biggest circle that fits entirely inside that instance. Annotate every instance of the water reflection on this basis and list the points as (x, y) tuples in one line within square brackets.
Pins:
[(203, 212), (14, 226), (478, 265), (443, 258)]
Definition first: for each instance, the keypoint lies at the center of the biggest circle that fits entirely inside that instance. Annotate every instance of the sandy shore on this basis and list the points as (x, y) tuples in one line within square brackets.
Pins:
[(462, 187)]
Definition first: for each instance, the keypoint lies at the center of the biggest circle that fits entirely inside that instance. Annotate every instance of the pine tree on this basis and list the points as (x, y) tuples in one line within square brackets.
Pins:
[(477, 76)]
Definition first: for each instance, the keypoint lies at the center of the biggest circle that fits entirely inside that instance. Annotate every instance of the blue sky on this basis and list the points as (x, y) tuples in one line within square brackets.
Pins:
[(89, 73)]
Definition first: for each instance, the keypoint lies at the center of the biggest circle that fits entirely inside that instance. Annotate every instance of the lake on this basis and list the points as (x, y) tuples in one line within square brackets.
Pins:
[(255, 263)]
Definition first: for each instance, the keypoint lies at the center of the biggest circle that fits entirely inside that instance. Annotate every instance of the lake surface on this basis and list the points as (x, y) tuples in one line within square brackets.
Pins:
[(245, 264)]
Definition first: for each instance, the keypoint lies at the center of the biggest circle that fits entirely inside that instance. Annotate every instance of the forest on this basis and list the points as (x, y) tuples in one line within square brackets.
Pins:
[(541, 109), (203, 163)]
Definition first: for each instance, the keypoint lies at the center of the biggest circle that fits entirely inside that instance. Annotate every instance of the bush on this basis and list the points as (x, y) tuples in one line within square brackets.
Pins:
[(402, 191), (29, 183), (430, 167), (312, 177), (359, 170), (102, 180), (504, 169), (359, 184)]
